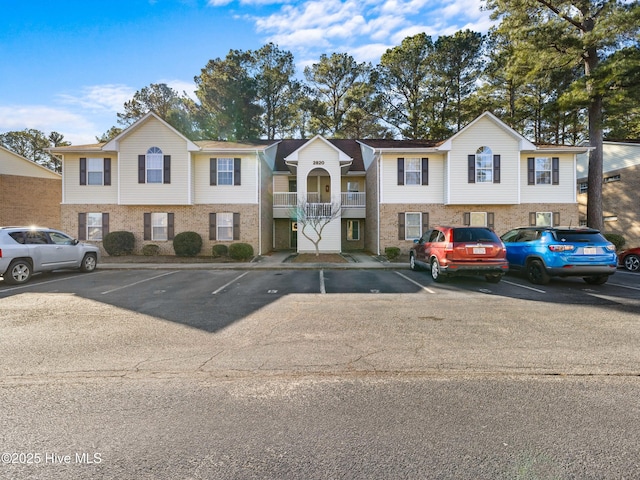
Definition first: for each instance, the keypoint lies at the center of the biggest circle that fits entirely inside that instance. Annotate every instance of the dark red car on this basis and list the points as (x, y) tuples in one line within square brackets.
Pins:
[(453, 251), (630, 259)]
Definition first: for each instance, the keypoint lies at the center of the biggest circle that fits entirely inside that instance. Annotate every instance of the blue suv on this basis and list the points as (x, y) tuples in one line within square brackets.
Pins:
[(545, 252)]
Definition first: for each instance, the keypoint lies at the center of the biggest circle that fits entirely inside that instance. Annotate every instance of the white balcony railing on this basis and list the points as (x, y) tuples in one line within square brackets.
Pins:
[(290, 199), (318, 210)]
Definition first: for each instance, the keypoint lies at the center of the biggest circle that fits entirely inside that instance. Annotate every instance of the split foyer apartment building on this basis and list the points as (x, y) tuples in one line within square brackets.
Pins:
[(154, 182)]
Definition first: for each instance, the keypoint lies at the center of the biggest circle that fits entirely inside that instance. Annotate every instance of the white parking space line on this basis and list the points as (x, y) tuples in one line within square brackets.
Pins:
[(416, 283), (137, 283), (30, 284), (322, 287), (228, 283), (524, 286), (623, 286)]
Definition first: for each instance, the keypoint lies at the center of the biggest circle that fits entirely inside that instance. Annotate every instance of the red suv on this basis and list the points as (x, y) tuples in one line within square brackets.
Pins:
[(449, 251)]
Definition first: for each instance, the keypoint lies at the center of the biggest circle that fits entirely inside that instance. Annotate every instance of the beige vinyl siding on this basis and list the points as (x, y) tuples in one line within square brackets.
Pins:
[(246, 192), (564, 192), (281, 183), (13, 164), (153, 134), (391, 192), (484, 133), (74, 193)]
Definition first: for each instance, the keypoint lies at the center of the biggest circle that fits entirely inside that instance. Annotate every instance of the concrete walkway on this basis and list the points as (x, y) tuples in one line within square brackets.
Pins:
[(271, 261)]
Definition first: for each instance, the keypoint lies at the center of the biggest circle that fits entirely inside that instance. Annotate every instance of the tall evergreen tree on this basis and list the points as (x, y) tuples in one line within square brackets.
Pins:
[(555, 33)]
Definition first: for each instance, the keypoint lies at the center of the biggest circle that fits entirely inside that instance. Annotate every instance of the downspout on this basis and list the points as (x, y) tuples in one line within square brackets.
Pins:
[(379, 187), (259, 203)]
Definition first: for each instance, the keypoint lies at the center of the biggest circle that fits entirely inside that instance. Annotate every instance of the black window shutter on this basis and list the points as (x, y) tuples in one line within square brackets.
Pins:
[(471, 165), (107, 171), (532, 219), (147, 226), (496, 169), (236, 226), (167, 169), (170, 228), (401, 226), (236, 171), (491, 217), (531, 171), (425, 171), (401, 171), (425, 221), (213, 173), (555, 171), (82, 226), (467, 218), (212, 226), (105, 225), (142, 160), (556, 219), (83, 171)]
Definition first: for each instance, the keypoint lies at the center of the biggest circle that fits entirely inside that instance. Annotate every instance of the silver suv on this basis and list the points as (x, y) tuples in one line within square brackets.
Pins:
[(28, 250)]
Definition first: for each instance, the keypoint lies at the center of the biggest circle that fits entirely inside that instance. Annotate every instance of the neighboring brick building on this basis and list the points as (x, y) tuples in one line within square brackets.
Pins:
[(620, 189), (30, 194), (155, 183)]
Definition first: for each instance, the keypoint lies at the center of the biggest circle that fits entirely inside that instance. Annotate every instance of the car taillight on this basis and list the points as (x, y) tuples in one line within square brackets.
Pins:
[(609, 248), (561, 248), (0, 253), (448, 247)]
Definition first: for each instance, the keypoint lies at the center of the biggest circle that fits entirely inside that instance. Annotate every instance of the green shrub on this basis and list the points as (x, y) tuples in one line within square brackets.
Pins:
[(150, 250), (392, 253), (240, 251), (187, 244), (617, 239), (119, 243), (220, 250)]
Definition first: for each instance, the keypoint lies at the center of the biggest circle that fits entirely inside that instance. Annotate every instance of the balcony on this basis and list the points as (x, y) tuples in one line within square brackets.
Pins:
[(353, 204)]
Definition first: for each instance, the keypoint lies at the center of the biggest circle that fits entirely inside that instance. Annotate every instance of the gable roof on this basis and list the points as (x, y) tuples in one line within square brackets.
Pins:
[(350, 149), (113, 143), (524, 143)]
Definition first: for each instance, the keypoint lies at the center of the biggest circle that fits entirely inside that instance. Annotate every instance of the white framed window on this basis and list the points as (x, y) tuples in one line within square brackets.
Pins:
[(225, 171), (224, 226), (544, 219), (543, 170), (484, 165), (478, 219), (154, 165), (353, 229), (412, 171), (95, 171), (94, 226), (159, 226), (412, 225)]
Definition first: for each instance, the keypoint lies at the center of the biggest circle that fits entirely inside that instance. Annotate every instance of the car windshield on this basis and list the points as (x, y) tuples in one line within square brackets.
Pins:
[(574, 236), (474, 235)]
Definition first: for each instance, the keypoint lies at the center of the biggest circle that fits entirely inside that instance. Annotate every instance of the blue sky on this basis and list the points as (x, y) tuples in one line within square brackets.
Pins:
[(69, 65)]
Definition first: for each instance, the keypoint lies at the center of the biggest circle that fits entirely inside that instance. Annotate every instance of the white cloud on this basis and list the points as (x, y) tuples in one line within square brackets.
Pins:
[(75, 127), (100, 97)]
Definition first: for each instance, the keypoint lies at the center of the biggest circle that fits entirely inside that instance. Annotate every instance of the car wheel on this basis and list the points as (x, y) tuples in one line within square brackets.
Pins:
[(632, 263), (436, 273), (599, 280), (89, 263), (536, 273), (19, 271), (493, 278), (412, 262)]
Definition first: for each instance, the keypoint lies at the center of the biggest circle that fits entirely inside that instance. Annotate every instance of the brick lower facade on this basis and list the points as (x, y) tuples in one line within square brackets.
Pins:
[(186, 218), (620, 204), (30, 201), (506, 217)]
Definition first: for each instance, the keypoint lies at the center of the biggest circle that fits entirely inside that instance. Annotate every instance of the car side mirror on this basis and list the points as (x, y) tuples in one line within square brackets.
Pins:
[(75, 241)]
